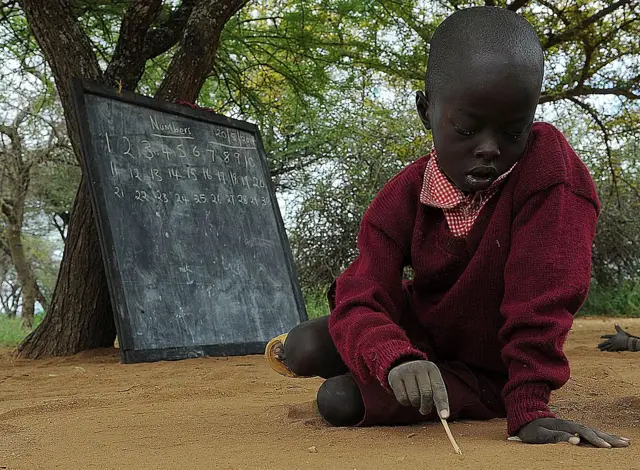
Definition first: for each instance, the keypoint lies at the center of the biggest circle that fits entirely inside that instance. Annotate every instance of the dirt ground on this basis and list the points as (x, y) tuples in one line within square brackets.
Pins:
[(90, 411)]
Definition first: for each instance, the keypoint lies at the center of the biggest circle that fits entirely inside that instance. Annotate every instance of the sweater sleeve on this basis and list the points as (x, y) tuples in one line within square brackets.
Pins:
[(547, 278), (634, 344), (369, 298)]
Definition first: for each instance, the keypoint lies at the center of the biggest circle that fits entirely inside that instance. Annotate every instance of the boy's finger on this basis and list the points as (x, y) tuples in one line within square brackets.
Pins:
[(586, 434), (607, 336), (413, 392), (619, 329), (397, 385), (426, 392), (440, 397), (615, 441), (604, 345)]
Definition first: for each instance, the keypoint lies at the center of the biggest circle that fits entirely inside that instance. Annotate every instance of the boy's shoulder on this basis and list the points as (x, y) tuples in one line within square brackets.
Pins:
[(397, 202), (550, 160), (405, 186)]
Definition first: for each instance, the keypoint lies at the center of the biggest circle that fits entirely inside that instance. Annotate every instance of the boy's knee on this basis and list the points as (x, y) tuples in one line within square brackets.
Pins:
[(303, 350), (340, 402)]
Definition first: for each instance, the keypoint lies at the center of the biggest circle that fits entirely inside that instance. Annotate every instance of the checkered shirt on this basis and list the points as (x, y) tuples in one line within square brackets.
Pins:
[(460, 210)]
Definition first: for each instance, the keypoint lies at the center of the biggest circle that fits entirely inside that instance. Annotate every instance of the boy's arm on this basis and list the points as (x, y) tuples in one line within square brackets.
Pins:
[(547, 278), (369, 301), (369, 298)]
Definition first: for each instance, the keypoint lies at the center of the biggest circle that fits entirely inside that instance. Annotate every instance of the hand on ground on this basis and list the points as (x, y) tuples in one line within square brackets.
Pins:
[(616, 342), (554, 430)]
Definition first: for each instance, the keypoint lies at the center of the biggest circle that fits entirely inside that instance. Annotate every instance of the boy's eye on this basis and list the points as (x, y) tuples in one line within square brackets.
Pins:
[(515, 135), (464, 132)]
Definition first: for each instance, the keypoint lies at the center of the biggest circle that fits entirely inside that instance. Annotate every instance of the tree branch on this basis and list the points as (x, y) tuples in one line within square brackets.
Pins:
[(517, 4), (129, 60), (607, 142), (587, 90), (192, 63), (554, 39), (159, 40)]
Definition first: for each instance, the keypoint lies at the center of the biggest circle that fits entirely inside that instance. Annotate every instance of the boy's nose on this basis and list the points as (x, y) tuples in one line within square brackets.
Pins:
[(488, 149)]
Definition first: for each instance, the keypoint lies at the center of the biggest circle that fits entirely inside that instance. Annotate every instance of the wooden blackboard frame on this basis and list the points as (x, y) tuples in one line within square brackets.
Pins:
[(80, 88)]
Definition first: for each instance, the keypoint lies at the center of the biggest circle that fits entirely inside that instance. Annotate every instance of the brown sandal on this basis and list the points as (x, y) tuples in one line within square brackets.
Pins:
[(273, 361)]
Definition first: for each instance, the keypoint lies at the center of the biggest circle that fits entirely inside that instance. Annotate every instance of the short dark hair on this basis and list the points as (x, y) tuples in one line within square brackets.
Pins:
[(481, 30)]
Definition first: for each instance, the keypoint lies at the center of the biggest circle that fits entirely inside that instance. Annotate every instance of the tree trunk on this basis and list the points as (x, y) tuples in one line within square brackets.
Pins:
[(25, 273), (80, 315)]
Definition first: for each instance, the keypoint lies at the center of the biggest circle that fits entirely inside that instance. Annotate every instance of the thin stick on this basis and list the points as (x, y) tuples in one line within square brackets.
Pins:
[(450, 436)]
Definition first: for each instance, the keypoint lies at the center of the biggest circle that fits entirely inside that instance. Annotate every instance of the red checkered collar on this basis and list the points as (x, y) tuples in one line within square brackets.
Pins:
[(439, 192)]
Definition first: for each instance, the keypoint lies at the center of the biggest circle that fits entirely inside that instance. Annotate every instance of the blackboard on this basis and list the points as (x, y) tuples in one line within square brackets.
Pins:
[(196, 256)]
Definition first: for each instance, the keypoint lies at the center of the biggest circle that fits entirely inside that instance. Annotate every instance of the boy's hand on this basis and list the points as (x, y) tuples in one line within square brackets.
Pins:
[(617, 342), (553, 430), (419, 384)]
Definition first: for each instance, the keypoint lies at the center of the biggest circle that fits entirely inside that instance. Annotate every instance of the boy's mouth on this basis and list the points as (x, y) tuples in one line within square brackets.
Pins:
[(481, 177)]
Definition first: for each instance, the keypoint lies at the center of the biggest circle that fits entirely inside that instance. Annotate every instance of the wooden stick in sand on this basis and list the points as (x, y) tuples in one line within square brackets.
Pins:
[(450, 436)]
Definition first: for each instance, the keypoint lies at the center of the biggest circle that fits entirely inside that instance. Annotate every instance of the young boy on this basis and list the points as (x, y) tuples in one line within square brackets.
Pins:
[(497, 224)]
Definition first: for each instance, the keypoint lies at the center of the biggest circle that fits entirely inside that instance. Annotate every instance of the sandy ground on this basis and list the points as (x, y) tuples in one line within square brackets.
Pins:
[(90, 411)]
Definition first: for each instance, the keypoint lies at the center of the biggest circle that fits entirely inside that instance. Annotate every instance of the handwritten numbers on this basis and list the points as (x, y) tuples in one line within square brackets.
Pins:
[(181, 199), (173, 173), (199, 198), (182, 153), (128, 151), (141, 196), (211, 152), (233, 177), (160, 196), (245, 181), (206, 174), (147, 152), (166, 152), (191, 173), (195, 151), (155, 174), (215, 198), (106, 138), (222, 177), (118, 192), (135, 173), (114, 169)]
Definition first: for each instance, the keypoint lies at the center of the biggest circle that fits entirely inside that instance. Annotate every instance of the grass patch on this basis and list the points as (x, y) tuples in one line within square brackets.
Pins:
[(316, 303), (620, 300), (12, 333)]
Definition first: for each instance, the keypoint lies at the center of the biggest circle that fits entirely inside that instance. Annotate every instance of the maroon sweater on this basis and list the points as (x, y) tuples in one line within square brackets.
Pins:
[(501, 300)]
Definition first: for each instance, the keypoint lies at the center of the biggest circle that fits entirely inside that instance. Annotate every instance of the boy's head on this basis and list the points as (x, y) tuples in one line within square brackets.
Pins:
[(484, 77)]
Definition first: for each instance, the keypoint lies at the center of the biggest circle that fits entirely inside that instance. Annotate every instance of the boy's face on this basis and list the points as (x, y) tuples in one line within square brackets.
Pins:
[(481, 120)]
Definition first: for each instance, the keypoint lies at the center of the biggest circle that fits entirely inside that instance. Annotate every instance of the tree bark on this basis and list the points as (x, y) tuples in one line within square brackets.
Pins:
[(25, 274), (80, 315)]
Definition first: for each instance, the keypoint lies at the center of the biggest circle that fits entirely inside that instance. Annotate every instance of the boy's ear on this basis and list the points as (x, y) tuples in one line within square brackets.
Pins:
[(422, 105)]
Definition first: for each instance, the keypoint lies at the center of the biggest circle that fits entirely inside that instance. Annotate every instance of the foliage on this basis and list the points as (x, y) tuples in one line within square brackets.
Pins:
[(619, 300)]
